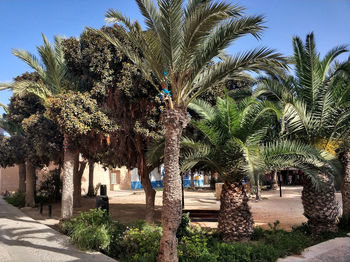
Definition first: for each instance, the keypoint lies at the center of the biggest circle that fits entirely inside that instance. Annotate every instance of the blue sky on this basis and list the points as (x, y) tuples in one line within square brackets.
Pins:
[(23, 21)]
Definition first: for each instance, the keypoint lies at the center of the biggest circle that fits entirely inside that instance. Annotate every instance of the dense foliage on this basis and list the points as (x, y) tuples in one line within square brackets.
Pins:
[(95, 230)]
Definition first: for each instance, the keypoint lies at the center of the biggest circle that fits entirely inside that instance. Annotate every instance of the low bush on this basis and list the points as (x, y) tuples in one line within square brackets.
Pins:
[(94, 230), (184, 226), (139, 242), (194, 247), (18, 199)]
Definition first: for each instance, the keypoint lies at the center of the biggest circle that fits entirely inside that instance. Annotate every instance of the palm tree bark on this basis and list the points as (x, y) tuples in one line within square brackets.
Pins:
[(30, 184), (175, 120), (67, 187), (320, 205), (91, 179), (345, 187), (235, 221), (22, 177)]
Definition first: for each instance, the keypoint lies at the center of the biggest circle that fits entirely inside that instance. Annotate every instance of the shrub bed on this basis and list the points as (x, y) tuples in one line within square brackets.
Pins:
[(18, 199), (139, 242)]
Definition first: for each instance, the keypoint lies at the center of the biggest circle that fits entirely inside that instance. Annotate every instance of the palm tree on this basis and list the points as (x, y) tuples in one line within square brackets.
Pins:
[(52, 72), (313, 112), (342, 85), (235, 144), (180, 49)]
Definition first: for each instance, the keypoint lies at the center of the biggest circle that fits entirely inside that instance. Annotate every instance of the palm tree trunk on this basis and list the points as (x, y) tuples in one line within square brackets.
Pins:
[(320, 206), (67, 187), (22, 177), (91, 179), (258, 189), (175, 120), (30, 184), (235, 221), (345, 188)]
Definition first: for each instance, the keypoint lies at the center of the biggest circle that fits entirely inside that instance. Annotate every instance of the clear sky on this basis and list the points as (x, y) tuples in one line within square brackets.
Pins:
[(23, 21)]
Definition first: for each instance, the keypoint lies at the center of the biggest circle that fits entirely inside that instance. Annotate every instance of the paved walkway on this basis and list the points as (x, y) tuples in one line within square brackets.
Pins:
[(334, 250), (23, 239)]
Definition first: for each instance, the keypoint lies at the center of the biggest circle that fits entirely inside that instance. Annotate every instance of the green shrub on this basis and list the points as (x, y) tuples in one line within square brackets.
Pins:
[(94, 230), (18, 199), (183, 228), (195, 248), (258, 234), (141, 244)]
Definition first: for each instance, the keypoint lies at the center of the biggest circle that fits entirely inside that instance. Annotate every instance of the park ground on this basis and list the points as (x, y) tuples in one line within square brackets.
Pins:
[(128, 206)]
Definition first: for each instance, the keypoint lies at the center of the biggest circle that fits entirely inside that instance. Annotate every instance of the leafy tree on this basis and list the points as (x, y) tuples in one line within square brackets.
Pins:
[(34, 139), (179, 42), (315, 111), (235, 144), (11, 149), (53, 88), (116, 84)]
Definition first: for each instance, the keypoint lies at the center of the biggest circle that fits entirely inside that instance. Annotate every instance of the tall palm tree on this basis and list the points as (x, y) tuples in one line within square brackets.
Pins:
[(180, 49), (313, 112), (342, 85), (235, 143), (52, 72)]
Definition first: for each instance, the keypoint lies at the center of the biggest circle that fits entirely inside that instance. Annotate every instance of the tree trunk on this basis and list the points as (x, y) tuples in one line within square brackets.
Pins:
[(79, 168), (274, 180), (91, 190), (175, 120), (192, 181), (67, 187), (30, 184), (257, 190), (144, 171), (150, 194), (22, 177), (320, 206), (235, 221), (345, 187)]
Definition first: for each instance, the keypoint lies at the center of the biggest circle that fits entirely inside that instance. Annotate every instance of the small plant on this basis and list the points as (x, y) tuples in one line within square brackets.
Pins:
[(274, 226), (183, 228), (17, 199), (141, 244), (194, 247), (94, 230)]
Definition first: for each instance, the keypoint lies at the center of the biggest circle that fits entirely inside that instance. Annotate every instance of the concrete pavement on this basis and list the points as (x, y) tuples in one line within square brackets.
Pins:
[(334, 250), (23, 239)]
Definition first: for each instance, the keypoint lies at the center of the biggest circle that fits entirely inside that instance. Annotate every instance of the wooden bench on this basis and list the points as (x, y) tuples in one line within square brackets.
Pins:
[(201, 215)]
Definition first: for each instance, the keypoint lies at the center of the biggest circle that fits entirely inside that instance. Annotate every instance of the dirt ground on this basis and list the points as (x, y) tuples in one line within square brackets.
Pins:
[(128, 206)]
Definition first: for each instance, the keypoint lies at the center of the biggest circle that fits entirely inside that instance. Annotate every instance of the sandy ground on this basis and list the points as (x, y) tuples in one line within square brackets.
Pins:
[(127, 206)]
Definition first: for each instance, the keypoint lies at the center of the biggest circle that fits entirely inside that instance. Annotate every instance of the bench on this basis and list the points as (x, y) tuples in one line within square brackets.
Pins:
[(202, 215)]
